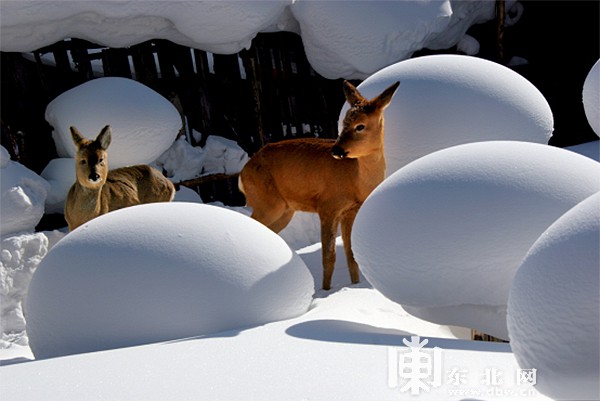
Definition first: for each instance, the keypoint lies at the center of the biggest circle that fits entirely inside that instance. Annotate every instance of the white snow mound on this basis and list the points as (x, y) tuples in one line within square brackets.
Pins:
[(144, 123), (591, 97), (553, 308), (447, 232), (356, 39), (60, 174), (160, 272), (447, 100), (22, 196)]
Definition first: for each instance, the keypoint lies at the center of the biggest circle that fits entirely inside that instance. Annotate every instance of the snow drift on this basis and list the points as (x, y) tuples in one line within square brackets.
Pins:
[(22, 196), (160, 272), (144, 124), (340, 38), (446, 234), (553, 308), (448, 100)]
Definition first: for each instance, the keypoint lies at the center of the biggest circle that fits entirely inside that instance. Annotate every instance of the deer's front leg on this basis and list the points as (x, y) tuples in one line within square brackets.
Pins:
[(347, 222), (328, 230)]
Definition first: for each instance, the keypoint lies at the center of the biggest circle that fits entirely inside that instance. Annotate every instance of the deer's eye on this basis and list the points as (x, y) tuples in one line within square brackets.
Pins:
[(359, 127), (83, 162)]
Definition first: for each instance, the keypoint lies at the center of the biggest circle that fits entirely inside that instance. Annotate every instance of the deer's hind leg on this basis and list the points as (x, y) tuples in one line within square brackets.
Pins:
[(329, 225), (283, 221), (269, 209)]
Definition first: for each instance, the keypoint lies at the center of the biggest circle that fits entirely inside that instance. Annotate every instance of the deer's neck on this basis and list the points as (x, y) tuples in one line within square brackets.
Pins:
[(90, 200), (371, 171)]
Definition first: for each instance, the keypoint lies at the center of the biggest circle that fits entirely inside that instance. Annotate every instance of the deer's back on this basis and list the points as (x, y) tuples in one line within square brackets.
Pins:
[(302, 171), (136, 184)]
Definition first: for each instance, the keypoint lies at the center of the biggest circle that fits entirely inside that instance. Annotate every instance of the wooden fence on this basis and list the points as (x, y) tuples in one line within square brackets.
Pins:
[(264, 94)]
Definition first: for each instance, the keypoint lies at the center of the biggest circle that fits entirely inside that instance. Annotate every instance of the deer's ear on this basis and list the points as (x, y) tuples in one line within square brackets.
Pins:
[(104, 137), (78, 139), (384, 99), (352, 95)]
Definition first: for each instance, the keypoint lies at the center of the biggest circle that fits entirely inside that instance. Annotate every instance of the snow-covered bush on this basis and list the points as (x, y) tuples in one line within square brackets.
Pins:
[(22, 196), (161, 271), (144, 123), (553, 308), (591, 97), (446, 234), (448, 100)]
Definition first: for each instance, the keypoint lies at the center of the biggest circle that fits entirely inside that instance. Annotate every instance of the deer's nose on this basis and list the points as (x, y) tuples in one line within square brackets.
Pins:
[(338, 152), (94, 177)]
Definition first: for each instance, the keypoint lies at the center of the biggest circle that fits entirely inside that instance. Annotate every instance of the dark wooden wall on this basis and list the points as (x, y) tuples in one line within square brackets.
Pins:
[(264, 94)]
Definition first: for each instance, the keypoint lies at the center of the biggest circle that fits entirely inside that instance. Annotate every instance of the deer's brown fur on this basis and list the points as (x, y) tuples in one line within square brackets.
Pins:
[(98, 191), (329, 177)]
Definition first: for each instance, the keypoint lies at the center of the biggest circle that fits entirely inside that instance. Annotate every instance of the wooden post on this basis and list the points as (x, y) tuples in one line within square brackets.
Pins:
[(500, 22), (249, 57)]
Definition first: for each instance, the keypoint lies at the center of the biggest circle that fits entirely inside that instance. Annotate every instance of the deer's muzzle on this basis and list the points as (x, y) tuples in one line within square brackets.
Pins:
[(338, 152), (94, 177)]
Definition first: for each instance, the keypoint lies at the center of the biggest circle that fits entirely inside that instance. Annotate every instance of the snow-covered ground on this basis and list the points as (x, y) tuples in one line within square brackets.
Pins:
[(351, 343)]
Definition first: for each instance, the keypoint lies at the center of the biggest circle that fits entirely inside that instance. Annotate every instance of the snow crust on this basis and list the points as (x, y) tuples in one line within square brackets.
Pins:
[(161, 272), (554, 305), (591, 97), (144, 124), (340, 38), (447, 100), (22, 196), (447, 232)]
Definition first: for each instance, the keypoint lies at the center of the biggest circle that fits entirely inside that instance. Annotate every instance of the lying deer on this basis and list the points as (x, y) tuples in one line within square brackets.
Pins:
[(98, 191), (330, 177)]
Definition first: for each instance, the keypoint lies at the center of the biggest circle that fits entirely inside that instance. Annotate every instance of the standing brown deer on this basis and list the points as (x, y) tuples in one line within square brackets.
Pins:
[(98, 191), (329, 177)]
